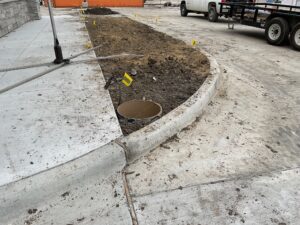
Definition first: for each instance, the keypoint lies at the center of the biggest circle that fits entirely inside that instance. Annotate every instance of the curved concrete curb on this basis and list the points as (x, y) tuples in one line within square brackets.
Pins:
[(151, 136)]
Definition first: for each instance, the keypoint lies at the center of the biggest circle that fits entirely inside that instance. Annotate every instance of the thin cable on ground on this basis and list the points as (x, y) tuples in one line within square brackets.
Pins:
[(31, 78), (129, 199), (81, 53), (62, 65), (106, 57), (26, 67), (46, 64)]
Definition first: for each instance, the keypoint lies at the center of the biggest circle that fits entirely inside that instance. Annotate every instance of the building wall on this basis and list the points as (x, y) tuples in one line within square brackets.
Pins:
[(14, 13)]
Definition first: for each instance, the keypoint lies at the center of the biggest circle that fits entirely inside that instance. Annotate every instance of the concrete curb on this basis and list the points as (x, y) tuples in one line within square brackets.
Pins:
[(81, 175), (151, 136)]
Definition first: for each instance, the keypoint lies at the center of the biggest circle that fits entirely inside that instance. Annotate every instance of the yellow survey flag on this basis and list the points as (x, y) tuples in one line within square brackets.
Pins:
[(127, 80), (194, 42), (88, 45)]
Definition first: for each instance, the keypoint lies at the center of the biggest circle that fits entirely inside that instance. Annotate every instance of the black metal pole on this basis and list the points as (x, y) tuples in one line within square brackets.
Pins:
[(57, 49)]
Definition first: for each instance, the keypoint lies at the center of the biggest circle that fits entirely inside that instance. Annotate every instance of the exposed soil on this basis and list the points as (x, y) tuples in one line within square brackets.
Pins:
[(100, 11), (168, 73)]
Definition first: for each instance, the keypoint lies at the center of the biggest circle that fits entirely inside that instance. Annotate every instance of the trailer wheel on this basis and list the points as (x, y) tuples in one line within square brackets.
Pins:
[(277, 31), (212, 14), (183, 10), (295, 37)]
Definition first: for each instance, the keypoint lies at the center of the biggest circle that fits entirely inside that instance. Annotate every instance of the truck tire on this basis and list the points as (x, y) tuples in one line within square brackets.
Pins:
[(183, 10), (277, 31), (212, 14), (295, 37)]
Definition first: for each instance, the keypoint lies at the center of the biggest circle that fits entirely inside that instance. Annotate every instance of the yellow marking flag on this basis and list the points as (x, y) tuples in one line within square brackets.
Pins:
[(81, 10), (88, 45), (194, 42), (127, 80)]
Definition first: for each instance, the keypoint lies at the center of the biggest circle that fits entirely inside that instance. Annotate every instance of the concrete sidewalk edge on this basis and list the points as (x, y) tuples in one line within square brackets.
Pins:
[(16, 197)]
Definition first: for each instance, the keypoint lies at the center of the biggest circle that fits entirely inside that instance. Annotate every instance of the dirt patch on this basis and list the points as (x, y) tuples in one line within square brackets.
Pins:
[(168, 73), (100, 11)]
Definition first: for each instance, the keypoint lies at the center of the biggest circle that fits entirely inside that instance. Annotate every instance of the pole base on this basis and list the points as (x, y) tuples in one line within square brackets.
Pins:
[(58, 55)]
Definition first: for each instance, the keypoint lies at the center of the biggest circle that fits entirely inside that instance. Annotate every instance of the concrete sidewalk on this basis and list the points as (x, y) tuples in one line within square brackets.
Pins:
[(238, 164), (57, 117), (87, 191), (250, 129), (270, 199)]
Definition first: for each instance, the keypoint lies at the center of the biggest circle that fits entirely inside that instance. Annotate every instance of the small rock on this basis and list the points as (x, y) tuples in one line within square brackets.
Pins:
[(31, 211), (230, 212), (133, 72), (67, 193), (80, 219), (115, 194), (271, 149), (151, 61)]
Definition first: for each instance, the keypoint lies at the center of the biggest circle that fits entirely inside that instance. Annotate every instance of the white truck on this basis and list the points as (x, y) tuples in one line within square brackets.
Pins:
[(210, 8)]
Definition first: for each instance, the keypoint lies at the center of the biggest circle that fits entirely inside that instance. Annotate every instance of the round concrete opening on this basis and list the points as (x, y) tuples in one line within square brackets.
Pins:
[(139, 109)]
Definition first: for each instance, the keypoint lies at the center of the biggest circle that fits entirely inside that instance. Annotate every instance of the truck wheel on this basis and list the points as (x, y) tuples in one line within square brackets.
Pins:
[(277, 31), (183, 10), (295, 37), (212, 14)]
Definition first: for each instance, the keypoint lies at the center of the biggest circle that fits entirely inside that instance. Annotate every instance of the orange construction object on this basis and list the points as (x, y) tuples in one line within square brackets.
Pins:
[(99, 3)]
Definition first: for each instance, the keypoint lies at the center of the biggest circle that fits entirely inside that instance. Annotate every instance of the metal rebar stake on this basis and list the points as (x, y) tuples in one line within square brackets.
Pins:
[(57, 49)]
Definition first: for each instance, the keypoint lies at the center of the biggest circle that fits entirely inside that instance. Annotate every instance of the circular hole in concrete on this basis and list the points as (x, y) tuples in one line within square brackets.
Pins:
[(139, 109)]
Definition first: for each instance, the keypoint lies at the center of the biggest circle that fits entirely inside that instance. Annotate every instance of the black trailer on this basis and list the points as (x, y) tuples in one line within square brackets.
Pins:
[(281, 22)]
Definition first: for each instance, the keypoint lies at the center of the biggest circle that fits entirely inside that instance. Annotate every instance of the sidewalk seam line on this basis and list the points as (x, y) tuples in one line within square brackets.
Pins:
[(129, 199), (219, 181)]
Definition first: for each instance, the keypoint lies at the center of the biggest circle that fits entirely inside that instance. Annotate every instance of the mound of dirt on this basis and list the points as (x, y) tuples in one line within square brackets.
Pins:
[(169, 72), (100, 11)]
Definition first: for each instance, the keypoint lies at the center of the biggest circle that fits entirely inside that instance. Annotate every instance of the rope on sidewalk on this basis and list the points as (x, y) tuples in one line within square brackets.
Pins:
[(62, 65), (47, 63)]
